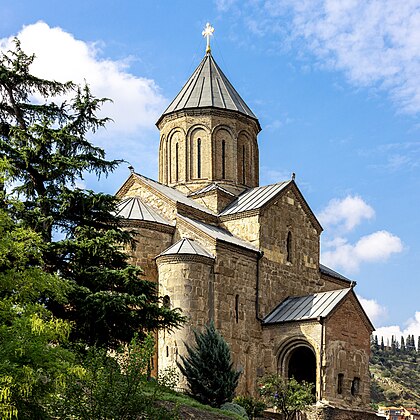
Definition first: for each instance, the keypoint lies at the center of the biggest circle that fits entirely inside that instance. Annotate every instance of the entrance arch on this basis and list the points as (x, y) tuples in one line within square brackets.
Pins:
[(301, 364)]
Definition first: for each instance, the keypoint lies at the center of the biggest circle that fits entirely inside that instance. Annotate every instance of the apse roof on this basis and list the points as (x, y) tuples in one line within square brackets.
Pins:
[(326, 270), (132, 208), (254, 198), (308, 307), (186, 246), (209, 87)]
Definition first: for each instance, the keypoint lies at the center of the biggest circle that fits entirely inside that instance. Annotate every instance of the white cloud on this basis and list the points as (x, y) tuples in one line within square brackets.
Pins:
[(346, 214), (412, 328), (376, 43), (376, 247), (60, 56), (373, 309)]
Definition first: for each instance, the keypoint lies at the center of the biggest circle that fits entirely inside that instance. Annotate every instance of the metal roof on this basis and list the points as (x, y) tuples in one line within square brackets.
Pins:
[(186, 246), (174, 194), (306, 307), (132, 208), (209, 87), (254, 198), (210, 187), (218, 233), (326, 270)]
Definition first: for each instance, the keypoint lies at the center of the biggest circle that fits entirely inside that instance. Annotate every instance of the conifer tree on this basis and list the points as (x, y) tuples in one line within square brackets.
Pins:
[(208, 368), (382, 343), (402, 347), (47, 151)]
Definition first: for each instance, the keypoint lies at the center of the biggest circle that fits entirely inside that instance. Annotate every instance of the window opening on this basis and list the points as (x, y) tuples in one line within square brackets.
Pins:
[(167, 351), (237, 308), (223, 159), (243, 165), (166, 301), (355, 386), (199, 158), (289, 247), (176, 162), (340, 383)]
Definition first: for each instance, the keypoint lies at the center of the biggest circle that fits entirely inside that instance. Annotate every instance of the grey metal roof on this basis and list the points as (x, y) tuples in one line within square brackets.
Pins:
[(174, 194), (132, 208), (209, 87), (218, 233), (186, 246), (326, 270), (306, 307), (254, 198), (210, 187)]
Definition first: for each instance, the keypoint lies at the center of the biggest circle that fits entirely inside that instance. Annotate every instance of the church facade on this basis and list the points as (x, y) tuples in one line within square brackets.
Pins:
[(223, 248)]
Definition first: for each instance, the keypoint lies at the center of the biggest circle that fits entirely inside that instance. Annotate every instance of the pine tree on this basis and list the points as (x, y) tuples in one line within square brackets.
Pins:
[(46, 148), (208, 368)]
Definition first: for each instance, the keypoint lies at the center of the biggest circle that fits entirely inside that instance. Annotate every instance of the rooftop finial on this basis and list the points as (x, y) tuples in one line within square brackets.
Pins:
[(207, 33)]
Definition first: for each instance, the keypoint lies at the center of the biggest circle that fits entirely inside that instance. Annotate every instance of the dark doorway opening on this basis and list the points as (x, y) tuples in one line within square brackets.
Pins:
[(302, 365)]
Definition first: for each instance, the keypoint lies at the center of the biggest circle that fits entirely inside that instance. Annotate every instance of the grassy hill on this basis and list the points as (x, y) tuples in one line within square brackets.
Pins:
[(395, 371)]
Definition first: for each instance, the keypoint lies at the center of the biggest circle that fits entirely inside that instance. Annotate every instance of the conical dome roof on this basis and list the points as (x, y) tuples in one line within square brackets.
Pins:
[(209, 87)]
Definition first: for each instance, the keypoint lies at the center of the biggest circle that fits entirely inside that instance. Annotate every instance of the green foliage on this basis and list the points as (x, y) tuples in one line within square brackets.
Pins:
[(286, 395), (33, 363), (112, 386), (44, 149), (168, 378), (209, 369), (254, 407), (234, 408)]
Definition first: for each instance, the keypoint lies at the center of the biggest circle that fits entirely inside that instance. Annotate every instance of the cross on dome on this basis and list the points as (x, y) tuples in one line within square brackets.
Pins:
[(207, 33)]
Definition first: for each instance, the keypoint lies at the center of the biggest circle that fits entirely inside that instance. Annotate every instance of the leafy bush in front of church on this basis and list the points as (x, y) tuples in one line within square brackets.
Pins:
[(208, 368), (235, 408), (254, 407)]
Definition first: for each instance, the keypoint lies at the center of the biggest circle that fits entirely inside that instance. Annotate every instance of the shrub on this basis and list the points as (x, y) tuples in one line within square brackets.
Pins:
[(234, 408), (253, 406)]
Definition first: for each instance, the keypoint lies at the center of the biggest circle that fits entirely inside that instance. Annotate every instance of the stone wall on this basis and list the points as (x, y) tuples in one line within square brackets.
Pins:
[(347, 342)]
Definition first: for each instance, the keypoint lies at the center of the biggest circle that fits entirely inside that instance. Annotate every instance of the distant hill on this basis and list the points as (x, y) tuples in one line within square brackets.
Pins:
[(395, 371)]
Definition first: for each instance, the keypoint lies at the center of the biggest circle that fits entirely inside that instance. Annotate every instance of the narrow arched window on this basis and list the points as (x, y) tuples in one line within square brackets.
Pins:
[(223, 159), (237, 308), (355, 386), (166, 302), (340, 380), (176, 162), (289, 247), (243, 164), (199, 158)]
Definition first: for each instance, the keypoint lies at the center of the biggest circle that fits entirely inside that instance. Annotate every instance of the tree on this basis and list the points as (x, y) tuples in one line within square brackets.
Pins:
[(46, 148), (33, 361), (208, 368), (286, 395)]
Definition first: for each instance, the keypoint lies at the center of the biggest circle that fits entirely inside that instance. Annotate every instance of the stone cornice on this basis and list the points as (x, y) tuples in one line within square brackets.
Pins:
[(159, 227), (175, 258)]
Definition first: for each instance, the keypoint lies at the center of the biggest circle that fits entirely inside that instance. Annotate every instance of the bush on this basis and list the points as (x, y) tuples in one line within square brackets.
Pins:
[(234, 408), (253, 406)]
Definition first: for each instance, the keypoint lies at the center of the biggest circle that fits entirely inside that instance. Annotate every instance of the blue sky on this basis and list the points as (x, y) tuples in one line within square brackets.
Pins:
[(335, 85)]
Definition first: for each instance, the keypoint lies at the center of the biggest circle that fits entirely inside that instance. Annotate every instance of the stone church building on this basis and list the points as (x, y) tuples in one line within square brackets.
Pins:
[(222, 247)]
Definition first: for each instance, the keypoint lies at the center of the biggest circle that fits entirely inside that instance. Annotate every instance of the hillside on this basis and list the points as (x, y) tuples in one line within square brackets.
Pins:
[(395, 371)]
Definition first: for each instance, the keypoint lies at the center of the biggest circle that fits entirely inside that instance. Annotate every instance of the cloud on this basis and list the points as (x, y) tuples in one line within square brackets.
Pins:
[(375, 43), (412, 327), (137, 101), (346, 214), (376, 247), (373, 309)]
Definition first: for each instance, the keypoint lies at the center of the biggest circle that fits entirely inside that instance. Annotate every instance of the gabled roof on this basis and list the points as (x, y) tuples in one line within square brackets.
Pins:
[(308, 307), (211, 187), (254, 198), (329, 272), (208, 87), (186, 246), (218, 233), (132, 208)]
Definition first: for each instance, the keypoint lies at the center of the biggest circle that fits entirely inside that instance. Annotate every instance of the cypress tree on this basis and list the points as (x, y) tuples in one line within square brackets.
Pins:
[(208, 368), (382, 343)]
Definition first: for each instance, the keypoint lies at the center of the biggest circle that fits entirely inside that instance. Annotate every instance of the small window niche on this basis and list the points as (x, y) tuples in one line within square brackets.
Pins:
[(166, 302), (289, 246), (340, 381), (355, 386)]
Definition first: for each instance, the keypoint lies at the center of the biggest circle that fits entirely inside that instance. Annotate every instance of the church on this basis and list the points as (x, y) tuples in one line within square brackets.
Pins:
[(221, 247)]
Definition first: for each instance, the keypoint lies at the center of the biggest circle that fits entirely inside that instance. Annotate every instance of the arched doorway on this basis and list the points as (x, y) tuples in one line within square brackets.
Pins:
[(301, 364)]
